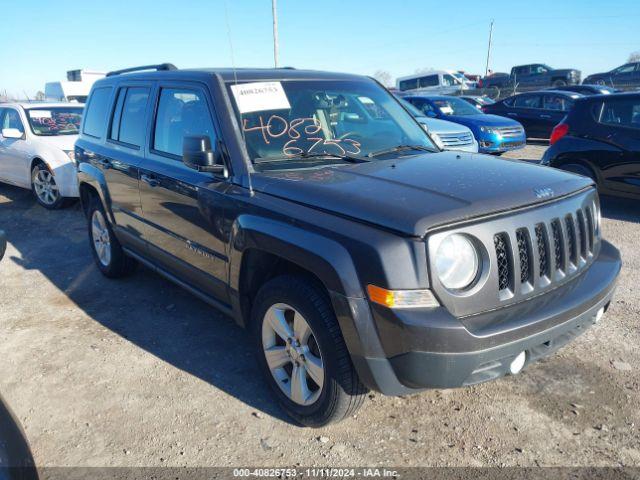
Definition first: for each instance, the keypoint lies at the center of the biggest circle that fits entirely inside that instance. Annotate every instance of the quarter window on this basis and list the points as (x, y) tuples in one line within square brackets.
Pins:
[(96, 115), (181, 112), (128, 124), (622, 113)]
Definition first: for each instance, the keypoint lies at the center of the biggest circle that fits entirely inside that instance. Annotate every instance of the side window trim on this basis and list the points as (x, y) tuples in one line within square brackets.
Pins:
[(121, 90), (197, 87)]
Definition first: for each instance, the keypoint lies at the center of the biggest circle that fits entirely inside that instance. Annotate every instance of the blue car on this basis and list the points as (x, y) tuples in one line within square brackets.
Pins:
[(494, 134)]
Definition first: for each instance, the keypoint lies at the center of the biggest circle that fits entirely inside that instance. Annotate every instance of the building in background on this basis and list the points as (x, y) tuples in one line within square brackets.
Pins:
[(75, 89)]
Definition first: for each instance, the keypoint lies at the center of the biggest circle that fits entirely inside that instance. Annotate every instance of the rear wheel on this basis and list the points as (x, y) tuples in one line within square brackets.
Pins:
[(559, 83), (302, 353), (105, 247), (45, 188)]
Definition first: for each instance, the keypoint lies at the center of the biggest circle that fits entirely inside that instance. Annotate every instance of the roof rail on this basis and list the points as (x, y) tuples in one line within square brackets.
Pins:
[(159, 67)]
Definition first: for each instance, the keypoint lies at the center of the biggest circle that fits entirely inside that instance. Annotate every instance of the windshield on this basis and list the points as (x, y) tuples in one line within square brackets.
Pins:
[(55, 121), (309, 118), (454, 106)]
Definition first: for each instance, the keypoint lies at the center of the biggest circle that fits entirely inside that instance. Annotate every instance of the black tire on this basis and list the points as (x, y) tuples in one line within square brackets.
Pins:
[(581, 170), (559, 83), (118, 264), (59, 202), (342, 393)]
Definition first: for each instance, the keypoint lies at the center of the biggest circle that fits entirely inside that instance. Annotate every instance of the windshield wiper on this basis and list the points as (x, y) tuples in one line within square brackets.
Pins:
[(400, 148), (345, 157)]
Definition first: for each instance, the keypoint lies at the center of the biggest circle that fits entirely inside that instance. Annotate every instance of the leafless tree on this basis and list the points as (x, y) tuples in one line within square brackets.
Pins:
[(40, 95), (384, 78), (634, 56)]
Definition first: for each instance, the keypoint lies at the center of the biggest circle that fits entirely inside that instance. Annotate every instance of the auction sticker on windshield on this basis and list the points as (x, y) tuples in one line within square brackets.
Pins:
[(259, 96), (40, 113)]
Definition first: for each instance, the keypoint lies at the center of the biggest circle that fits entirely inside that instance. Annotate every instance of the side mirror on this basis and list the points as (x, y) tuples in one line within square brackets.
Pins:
[(198, 154), (12, 133), (431, 113)]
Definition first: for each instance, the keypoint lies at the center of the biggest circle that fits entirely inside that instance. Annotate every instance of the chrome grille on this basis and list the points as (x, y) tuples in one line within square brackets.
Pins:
[(542, 243), (558, 250), (456, 139), (582, 230), (507, 132), (571, 239), (525, 252), (501, 244)]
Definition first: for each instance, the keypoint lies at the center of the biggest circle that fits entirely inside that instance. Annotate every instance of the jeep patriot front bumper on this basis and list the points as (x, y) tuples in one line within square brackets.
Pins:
[(403, 351)]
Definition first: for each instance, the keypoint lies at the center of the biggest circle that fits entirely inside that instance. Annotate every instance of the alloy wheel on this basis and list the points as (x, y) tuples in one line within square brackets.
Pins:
[(45, 186), (292, 353), (101, 238)]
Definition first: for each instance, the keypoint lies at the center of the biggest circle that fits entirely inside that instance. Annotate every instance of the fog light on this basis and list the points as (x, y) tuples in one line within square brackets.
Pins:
[(517, 363), (599, 314)]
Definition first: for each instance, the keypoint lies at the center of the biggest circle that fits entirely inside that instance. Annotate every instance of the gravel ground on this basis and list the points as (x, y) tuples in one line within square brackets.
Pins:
[(140, 373)]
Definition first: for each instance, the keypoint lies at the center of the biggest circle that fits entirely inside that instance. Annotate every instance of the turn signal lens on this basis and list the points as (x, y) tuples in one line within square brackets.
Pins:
[(401, 298)]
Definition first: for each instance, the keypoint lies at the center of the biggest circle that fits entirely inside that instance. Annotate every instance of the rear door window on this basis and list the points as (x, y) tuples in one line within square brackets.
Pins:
[(128, 125), (557, 103), (181, 112), (95, 117)]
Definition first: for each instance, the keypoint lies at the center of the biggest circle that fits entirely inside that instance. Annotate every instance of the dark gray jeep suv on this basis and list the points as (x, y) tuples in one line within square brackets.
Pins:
[(316, 211)]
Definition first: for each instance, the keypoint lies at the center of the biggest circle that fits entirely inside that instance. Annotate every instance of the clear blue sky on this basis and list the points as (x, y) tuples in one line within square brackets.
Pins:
[(43, 39)]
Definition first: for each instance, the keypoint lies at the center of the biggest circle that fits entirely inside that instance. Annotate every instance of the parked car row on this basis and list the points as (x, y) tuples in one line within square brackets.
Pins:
[(37, 149), (542, 76), (315, 210)]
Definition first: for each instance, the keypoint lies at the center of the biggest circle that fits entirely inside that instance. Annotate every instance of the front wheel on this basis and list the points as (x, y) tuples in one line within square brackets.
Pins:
[(559, 83), (105, 247), (45, 188), (302, 354)]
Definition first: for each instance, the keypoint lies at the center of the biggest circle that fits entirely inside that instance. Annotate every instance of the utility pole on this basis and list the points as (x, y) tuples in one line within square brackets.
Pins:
[(486, 69), (275, 32)]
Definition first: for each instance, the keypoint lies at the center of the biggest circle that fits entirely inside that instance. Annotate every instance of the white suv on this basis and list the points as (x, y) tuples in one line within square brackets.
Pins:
[(36, 149)]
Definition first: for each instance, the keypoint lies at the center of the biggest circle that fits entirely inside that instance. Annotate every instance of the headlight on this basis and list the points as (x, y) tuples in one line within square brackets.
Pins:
[(457, 262), (489, 130), (71, 154), (436, 139)]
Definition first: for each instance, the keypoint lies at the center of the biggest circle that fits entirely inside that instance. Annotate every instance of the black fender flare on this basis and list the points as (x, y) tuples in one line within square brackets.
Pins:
[(325, 257), (93, 176)]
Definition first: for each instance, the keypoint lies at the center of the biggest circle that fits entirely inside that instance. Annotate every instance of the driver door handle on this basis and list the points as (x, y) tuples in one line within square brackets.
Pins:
[(150, 180)]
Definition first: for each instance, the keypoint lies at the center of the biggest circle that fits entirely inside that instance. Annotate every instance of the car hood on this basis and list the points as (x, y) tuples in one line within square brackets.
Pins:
[(63, 142), (484, 119), (414, 194), (442, 126)]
